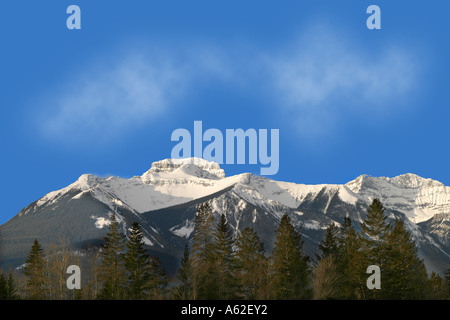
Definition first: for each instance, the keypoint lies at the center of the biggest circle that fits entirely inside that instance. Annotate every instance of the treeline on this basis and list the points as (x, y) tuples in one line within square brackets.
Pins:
[(345, 255), (222, 264), (121, 269)]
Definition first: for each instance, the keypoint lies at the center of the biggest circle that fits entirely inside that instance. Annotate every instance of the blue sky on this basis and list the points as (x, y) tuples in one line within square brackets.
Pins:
[(105, 99)]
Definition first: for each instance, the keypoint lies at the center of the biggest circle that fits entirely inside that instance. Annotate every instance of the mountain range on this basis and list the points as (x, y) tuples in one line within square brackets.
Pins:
[(164, 201)]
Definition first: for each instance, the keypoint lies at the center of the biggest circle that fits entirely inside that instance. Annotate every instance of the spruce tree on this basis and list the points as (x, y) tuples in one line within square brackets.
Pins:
[(289, 265), (224, 261), (375, 231), (202, 254), (11, 293), (34, 270), (112, 272), (437, 286), (252, 266), (8, 289), (447, 281), (3, 286), (327, 280), (184, 290), (137, 264), (158, 281), (330, 244), (403, 275), (350, 262)]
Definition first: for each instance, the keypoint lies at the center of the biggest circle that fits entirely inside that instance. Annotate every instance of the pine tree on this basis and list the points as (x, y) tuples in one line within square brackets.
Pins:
[(438, 288), (447, 281), (158, 279), (404, 274), (375, 230), (289, 265), (35, 272), (137, 264), (350, 262), (3, 286), (224, 261), (327, 280), (11, 293), (112, 273), (330, 244), (202, 254), (252, 265), (184, 290)]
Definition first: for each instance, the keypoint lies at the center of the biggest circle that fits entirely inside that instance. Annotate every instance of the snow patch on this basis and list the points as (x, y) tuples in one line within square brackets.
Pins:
[(346, 195), (101, 222), (312, 224), (185, 230), (147, 241)]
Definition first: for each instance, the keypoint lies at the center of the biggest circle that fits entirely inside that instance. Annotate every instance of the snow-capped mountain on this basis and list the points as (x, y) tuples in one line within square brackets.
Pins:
[(418, 198), (168, 182), (164, 200)]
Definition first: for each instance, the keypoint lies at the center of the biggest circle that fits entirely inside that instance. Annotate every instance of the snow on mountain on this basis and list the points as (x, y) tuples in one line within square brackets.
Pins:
[(168, 182), (182, 168), (439, 227), (171, 182), (163, 199), (418, 198)]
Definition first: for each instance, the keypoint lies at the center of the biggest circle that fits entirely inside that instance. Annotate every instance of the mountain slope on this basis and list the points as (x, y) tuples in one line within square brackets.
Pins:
[(164, 199)]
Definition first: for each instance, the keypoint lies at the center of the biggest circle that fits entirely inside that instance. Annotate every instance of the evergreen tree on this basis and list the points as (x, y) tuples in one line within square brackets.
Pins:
[(137, 264), (112, 272), (35, 272), (158, 279), (11, 293), (438, 288), (202, 254), (184, 289), (373, 242), (289, 265), (330, 244), (447, 281), (350, 262), (224, 261), (3, 286), (252, 265), (375, 229), (327, 280), (404, 274)]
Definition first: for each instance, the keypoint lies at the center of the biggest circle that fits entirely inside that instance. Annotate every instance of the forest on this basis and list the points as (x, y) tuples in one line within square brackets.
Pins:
[(221, 264)]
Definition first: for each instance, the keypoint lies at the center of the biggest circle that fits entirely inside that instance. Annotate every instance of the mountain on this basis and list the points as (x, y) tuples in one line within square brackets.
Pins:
[(164, 199)]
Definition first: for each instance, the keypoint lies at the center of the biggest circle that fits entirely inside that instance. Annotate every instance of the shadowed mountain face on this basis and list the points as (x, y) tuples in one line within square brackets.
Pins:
[(164, 200)]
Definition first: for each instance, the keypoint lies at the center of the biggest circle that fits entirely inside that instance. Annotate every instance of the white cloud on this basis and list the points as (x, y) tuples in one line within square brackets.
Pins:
[(101, 102), (109, 99), (318, 82), (325, 79)]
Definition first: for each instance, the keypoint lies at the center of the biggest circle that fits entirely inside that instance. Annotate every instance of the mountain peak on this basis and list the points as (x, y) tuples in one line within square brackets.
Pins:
[(176, 186), (86, 181), (407, 180), (193, 166), (356, 184), (411, 180)]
